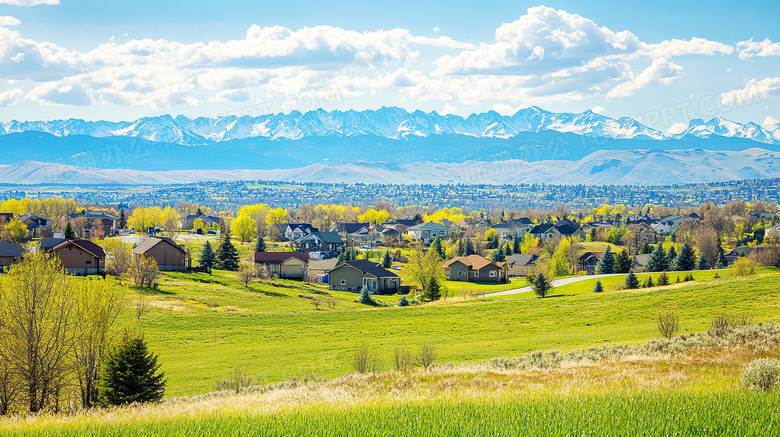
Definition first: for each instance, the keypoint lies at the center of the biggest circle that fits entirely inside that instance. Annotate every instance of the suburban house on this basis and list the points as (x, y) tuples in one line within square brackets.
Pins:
[(318, 241), (567, 228), (345, 228), (733, 254), (285, 265), (643, 231), (188, 222), (102, 219), (774, 231), (295, 231), (520, 263), (10, 253), (474, 268), (399, 225), (317, 269), (588, 261), (426, 232), (640, 261), (168, 255), (80, 257), (353, 275), (513, 228), (545, 232), (37, 227)]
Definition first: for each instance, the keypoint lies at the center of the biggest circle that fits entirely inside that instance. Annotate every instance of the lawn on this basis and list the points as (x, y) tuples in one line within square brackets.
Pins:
[(203, 327)]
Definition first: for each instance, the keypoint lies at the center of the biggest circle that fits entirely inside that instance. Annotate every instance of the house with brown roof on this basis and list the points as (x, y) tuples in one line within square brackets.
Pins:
[(285, 265), (474, 268), (80, 257), (168, 255)]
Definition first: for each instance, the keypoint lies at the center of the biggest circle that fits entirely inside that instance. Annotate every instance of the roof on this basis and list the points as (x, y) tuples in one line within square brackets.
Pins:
[(87, 245), (11, 249), (566, 227), (642, 259), (279, 257), (743, 251), (370, 267), (588, 255), (474, 261), (521, 259), (541, 229), (429, 226), (205, 218), (305, 227), (99, 215), (325, 237), (350, 228), (48, 244), (325, 264), (405, 222), (151, 242), (511, 224)]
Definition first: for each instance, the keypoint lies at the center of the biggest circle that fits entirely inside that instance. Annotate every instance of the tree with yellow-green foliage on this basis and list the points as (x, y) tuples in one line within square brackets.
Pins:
[(143, 218), (17, 230), (530, 245), (244, 228), (559, 261), (374, 216), (423, 266)]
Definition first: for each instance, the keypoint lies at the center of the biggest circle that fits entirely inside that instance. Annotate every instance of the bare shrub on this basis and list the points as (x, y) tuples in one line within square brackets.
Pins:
[(402, 359), (144, 271), (118, 261), (726, 322), (427, 356), (141, 306), (235, 382), (331, 301), (365, 361), (246, 273), (316, 303), (668, 324)]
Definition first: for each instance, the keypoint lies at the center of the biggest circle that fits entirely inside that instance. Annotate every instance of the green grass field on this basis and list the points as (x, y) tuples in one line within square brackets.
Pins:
[(205, 326)]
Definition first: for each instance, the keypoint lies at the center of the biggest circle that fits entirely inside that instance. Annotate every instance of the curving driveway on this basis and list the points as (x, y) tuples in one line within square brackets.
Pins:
[(555, 283)]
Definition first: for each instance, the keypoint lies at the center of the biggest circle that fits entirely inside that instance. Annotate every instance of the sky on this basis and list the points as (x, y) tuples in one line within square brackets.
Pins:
[(661, 62)]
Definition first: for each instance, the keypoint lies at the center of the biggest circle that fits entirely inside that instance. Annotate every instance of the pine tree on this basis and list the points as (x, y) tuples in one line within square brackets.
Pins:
[(663, 279), (403, 302), (657, 261), (227, 255), (365, 298), (433, 289), (649, 282), (436, 245), (542, 285), (206, 257), (460, 249), (598, 288), (469, 249), (606, 264), (671, 256), (646, 249), (122, 219), (131, 374), (632, 283), (686, 259), (260, 246), (498, 255), (387, 261), (69, 233), (703, 264), (623, 262), (516, 243), (720, 261), (508, 248)]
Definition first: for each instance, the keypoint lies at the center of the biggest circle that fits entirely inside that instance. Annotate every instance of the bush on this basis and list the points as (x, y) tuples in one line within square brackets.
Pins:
[(761, 375), (236, 382), (743, 266), (598, 288), (365, 361), (403, 302), (365, 298)]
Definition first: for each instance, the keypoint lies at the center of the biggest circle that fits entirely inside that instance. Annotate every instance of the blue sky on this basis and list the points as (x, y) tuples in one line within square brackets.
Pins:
[(664, 62)]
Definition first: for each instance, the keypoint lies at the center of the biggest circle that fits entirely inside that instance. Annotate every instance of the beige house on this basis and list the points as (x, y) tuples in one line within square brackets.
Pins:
[(426, 232), (354, 275), (317, 269), (519, 264), (168, 255), (474, 268), (285, 265), (80, 257), (9, 254)]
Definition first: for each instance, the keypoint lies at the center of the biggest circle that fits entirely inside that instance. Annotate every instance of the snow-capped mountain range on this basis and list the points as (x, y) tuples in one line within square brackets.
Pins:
[(389, 122)]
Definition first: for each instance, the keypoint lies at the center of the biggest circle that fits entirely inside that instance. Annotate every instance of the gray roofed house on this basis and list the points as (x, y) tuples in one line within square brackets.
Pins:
[(519, 263), (319, 241), (319, 268), (168, 255), (10, 253), (353, 275), (426, 232), (513, 228)]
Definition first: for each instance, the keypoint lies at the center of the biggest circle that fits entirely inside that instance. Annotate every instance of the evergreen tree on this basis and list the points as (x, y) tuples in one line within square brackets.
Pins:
[(387, 261), (508, 248), (686, 259), (542, 285), (606, 264), (122, 219), (721, 262), (433, 289), (646, 249), (657, 261), (663, 279), (671, 256), (498, 255), (131, 374), (623, 262), (460, 249), (678, 279), (403, 302), (632, 283), (206, 257), (260, 246), (469, 249), (365, 298), (649, 282), (516, 243), (703, 264), (598, 288), (436, 245), (69, 233), (227, 255)]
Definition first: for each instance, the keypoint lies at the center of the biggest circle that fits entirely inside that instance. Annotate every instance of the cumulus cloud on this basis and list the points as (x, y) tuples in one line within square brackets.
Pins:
[(751, 48), (681, 47), (10, 97), (5, 20), (660, 71), (753, 92), (29, 2)]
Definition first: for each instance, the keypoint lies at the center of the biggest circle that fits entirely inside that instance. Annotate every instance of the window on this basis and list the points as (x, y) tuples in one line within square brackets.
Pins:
[(460, 274), (343, 282), (492, 273), (476, 274)]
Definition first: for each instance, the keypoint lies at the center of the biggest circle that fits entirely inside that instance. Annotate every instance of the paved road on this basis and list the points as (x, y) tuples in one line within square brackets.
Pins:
[(556, 283)]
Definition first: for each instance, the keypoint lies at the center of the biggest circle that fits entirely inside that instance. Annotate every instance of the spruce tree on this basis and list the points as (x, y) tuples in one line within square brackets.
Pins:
[(365, 298), (131, 374), (606, 264), (403, 302), (433, 289), (460, 249), (227, 255), (703, 264), (469, 249), (69, 233), (206, 257), (498, 255), (663, 279), (649, 282), (508, 248), (387, 261), (598, 288), (721, 262), (516, 244), (542, 285), (646, 249), (657, 261), (436, 245), (686, 259), (632, 283), (122, 219), (671, 256), (260, 246), (623, 262)]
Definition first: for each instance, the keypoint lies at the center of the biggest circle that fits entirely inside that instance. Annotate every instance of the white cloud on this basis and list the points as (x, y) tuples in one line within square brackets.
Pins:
[(6, 20), (598, 109), (763, 48), (10, 97), (660, 71), (449, 109), (681, 47), (69, 94), (753, 91), (29, 2), (436, 29)]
